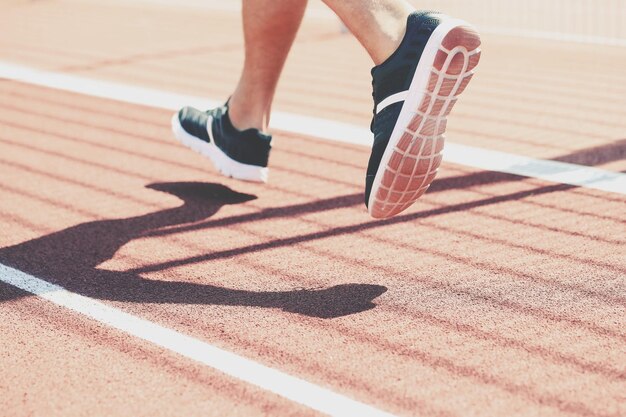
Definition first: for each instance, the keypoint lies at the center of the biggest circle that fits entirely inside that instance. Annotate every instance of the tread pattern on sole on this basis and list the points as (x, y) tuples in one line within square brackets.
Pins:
[(418, 153)]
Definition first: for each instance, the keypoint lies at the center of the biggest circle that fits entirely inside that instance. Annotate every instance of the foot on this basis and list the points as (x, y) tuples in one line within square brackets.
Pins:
[(414, 91), (338, 301), (240, 154)]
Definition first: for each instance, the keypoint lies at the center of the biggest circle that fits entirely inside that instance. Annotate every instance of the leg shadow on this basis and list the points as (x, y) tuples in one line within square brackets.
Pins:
[(70, 258)]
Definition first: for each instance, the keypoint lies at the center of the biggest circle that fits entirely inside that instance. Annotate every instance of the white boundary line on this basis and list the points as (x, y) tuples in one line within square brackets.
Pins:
[(290, 387), (553, 171), (287, 386)]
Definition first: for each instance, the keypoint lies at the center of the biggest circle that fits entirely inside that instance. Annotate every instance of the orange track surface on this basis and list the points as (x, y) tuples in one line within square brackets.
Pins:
[(493, 295)]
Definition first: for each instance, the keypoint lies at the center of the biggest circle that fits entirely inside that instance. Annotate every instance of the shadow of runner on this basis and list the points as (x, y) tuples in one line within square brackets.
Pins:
[(70, 258), (596, 155)]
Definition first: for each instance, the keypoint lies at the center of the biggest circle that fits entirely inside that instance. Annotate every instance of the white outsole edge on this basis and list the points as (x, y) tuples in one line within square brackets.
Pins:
[(417, 90), (222, 162)]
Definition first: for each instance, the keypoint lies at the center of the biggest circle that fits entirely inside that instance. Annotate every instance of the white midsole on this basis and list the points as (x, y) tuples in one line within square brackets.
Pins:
[(224, 164), (414, 97)]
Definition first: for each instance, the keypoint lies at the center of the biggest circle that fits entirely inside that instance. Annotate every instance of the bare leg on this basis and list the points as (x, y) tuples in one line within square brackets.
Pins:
[(413, 93), (379, 25), (270, 27)]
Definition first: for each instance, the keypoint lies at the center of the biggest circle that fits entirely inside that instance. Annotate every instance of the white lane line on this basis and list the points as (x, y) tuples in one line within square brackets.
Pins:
[(553, 171), (290, 387)]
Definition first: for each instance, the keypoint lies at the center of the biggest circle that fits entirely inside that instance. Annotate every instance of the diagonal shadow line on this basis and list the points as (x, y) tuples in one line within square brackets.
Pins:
[(284, 242), (357, 195), (355, 228), (445, 184), (482, 174), (597, 155), (606, 298), (344, 201), (330, 204), (353, 200), (458, 182), (488, 379), (498, 301)]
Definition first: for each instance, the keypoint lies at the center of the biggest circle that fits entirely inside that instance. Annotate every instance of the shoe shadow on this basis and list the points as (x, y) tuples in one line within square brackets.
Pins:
[(70, 258)]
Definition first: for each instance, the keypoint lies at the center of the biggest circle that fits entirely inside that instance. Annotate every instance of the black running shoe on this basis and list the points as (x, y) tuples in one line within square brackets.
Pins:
[(414, 91), (240, 154)]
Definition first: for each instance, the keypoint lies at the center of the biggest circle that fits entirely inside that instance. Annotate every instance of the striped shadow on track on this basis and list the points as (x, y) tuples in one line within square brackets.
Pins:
[(552, 171), (295, 389)]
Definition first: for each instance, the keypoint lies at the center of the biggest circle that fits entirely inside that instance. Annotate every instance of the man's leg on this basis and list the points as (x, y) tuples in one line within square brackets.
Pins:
[(379, 25), (269, 30), (234, 136), (423, 62)]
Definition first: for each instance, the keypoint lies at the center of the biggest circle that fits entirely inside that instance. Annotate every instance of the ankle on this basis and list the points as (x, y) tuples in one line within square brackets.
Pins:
[(245, 117), (392, 30), (388, 44)]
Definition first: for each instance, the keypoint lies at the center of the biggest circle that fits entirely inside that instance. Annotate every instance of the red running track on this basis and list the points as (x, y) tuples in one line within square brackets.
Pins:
[(493, 295)]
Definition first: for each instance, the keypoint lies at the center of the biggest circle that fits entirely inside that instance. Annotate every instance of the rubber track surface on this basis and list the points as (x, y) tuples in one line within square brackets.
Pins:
[(492, 295)]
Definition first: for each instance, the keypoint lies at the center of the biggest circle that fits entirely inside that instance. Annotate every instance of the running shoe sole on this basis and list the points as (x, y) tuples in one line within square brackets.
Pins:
[(224, 164), (413, 155)]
